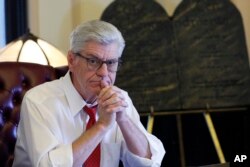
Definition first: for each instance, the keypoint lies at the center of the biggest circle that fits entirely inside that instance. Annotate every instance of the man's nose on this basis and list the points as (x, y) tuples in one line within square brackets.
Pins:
[(103, 70)]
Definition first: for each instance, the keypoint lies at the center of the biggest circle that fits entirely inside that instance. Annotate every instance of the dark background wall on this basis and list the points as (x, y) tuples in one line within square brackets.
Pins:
[(16, 23), (195, 60)]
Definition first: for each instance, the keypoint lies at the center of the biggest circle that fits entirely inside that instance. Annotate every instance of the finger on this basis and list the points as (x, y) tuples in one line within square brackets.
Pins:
[(114, 108), (104, 85), (124, 104), (110, 95), (107, 93), (103, 91), (113, 100)]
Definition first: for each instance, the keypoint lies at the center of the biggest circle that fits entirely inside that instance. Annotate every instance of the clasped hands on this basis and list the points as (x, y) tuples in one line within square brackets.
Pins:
[(111, 105)]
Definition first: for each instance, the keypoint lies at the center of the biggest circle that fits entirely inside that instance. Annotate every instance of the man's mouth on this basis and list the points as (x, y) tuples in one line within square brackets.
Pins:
[(95, 83), (100, 84)]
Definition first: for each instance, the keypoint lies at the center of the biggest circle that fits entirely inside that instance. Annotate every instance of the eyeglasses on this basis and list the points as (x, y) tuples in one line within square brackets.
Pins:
[(94, 64)]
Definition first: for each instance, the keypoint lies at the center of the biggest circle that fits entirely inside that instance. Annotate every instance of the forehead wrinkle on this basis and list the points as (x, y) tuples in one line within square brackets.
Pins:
[(101, 51)]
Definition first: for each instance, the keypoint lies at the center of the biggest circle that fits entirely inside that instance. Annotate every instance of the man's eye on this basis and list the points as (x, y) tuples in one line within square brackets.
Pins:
[(111, 62), (93, 61)]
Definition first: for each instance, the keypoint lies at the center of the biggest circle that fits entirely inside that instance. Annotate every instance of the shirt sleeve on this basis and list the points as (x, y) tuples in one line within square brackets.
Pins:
[(42, 147), (156, 146)]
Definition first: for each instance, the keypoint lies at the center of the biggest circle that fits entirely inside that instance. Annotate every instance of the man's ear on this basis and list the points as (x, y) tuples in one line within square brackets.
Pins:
[(71, 60)]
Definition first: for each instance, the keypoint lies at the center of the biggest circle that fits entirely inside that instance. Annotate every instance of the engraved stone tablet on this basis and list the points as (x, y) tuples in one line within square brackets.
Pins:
[(149, 70), (213, 61), (194, 60)]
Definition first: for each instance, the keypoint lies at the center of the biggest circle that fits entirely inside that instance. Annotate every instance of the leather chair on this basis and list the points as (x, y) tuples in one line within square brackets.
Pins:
[(15, 79)]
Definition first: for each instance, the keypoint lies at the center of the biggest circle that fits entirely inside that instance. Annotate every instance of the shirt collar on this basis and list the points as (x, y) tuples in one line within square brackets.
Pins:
[(76, 102)]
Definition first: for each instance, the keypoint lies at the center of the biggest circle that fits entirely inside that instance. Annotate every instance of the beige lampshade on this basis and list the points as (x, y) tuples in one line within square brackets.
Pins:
[(29, 48)]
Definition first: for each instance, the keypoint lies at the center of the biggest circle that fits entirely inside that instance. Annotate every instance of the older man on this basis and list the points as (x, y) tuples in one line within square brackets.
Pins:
[(83, 119)]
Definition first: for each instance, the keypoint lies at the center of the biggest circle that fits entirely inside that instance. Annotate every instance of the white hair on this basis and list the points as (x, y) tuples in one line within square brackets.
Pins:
[(98, 31)]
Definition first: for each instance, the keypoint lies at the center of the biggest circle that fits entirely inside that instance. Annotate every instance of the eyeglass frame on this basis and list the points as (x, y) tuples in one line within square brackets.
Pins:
[(101, 62)]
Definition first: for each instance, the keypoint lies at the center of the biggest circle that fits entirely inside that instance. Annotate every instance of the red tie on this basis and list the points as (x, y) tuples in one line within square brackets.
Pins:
[(94, 158)]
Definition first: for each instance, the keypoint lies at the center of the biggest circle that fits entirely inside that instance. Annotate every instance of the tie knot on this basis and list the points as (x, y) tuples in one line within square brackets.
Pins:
[(90, 111)]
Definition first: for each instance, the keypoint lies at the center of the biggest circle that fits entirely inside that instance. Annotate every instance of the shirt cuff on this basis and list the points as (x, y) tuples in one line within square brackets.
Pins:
[(157, 151), (135, 160), (62, 156)]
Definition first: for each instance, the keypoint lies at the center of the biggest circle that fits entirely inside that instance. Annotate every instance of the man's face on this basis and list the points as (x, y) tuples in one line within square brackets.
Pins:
[(87, 81)]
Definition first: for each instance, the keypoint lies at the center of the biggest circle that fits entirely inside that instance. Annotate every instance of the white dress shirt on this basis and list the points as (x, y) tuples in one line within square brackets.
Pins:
[(52, 118)]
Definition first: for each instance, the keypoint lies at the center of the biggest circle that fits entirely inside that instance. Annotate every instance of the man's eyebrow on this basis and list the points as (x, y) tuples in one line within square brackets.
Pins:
[(114, 59), (92, 56)]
